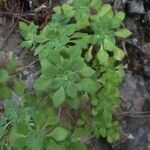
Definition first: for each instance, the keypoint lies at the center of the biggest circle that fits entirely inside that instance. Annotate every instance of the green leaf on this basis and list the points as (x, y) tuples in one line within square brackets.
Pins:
[(89, 86), (104, 9), (21, 128), (80, 122), (109, 139), (95, 4), (74, 102), (2, 131), (57, 83), (88, 54), (13, 63), (28, 32), (102, 55), (11, 111), (118, 54), (44, 52), (87, 71), (103, 132), (70, 29), (48, 69), (39, 119), (123, 33), (77, 64), (23, 27), (94, 102), (117, 20), (59, 97), (59, 134), (52, 145), (41, 38), (17, 140), (78, 146), (108, 45), (71, 90), (68, 10), (35, 140), (57, 9), (26, 44), (54, 57), (19, 87), (5, 91), (39, 49), (41, 84), (51, 117), (84, 97), (106, 116), (94, 112), (80, 133), (3, 75)]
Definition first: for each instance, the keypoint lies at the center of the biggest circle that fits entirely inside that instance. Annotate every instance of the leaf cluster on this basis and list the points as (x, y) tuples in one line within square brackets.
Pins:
[(80, 67)]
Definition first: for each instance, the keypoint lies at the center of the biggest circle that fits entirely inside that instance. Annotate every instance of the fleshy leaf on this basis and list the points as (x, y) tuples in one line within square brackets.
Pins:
[(88, 55), (123, 33), (102, 55), (118, 54), (108, 45)]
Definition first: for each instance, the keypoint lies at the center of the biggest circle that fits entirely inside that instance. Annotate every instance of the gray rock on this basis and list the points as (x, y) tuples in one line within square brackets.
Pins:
[(147, 67), (146, 50), (31, 76), (140, 131), (147, 17), (136, 7), (133, 93)]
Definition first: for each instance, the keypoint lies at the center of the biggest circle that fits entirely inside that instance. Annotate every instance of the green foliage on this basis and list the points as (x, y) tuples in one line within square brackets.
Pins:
[(59, 97), (59, 134), (3, 75), (80, 68)]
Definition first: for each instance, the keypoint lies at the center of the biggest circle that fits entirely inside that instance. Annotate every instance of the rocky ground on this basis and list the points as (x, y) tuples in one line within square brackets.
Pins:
[(134, 113)]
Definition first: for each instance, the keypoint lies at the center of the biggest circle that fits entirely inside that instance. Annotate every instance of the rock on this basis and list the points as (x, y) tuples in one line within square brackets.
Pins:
[(140, 131), (148, 85), (133, 93), (17, 99), (3, 59), (146, 50), (147, 17), (135, 96), (136, 7), (99, 144), (109, 1), (147, 67), (128, 145), (29, 78)]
